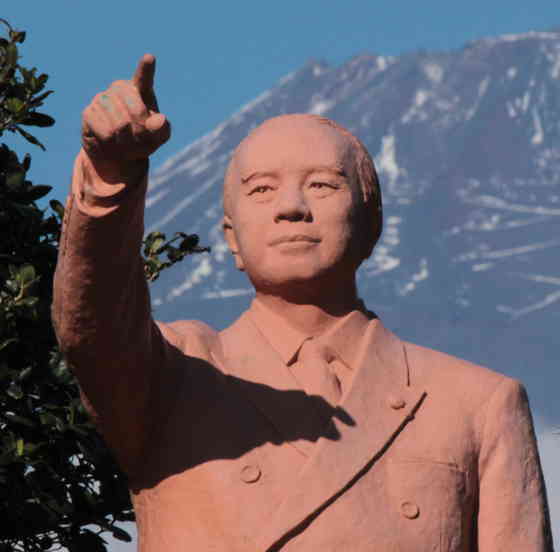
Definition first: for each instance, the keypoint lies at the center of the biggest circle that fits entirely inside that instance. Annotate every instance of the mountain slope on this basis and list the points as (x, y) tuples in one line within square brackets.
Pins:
[(467, 146)]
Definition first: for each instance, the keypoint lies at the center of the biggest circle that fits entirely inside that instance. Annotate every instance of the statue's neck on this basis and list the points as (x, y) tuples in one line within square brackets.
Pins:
[(313, 311)]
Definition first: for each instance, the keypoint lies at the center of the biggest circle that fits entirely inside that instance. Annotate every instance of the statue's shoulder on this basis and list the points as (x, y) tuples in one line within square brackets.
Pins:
[(450, 374), (190, 336), (192, 327)]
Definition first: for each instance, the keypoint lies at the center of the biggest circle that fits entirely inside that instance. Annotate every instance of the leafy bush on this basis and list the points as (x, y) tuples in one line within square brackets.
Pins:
[(59, 485)]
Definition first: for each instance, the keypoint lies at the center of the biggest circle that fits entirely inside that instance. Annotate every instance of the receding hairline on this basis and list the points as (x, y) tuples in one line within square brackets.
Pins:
[(353, 144)]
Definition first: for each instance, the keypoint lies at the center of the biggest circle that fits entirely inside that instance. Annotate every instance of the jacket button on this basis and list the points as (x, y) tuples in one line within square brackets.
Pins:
[(396, 403), (250, 473), (410, 510)]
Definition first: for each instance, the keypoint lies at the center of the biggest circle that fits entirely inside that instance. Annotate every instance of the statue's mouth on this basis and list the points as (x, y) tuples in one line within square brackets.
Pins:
[(294, 238)]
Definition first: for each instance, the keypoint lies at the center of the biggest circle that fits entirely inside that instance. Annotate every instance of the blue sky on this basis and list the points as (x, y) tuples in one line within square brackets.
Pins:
[(215, 56)]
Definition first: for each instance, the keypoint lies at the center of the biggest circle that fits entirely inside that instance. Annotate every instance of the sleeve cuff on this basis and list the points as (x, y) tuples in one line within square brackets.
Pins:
[(97, 198)]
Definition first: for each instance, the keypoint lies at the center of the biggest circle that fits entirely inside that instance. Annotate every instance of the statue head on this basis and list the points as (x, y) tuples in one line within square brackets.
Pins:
[(301, 200)]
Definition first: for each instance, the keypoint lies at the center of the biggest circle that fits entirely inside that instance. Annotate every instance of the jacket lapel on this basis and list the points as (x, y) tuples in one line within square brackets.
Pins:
[(381, 404), (260, 373)]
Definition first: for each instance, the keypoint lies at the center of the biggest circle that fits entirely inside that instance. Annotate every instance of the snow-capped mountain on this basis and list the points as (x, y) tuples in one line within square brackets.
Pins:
[(467, 146)]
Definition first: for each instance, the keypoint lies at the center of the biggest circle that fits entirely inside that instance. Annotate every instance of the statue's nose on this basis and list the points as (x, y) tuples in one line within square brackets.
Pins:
[(292, 205)]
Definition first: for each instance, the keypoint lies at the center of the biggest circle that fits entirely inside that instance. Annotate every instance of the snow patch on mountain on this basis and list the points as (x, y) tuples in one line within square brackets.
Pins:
[(386, 160), (482, 89), (530, 35), (320, 106), (499, 203), (184, 203), (416, 278), (382, 259), (546, 301), (205, 146), (228, 293), (202, 271), (434, 72), (415, 111), (538, 136)]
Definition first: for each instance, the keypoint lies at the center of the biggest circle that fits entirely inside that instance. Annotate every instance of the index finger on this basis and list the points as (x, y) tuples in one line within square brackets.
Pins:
[(143, 78)]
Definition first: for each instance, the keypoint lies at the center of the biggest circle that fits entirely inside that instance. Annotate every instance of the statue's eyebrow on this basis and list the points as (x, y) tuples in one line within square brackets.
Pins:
[(335, 169), (246, 179)]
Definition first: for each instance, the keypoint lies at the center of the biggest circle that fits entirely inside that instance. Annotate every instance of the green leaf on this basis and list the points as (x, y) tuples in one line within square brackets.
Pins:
[(27, 302), (19, 447), (36, 192), (156, 245), (87, 542), (61, 368), (189, 243), (15, 180), (27, 74), (17, 36), (57, 207), (38, 119), (14, 105), (30, 138), (48, 419), (14, 391), (38, 101), (26, 162), (120, 534), (173, 254), (6, 342), (19, 419), (25, 373), (26, 274), (59, 508), (46, 543), (78, 430), (11, 55), (43, 78)]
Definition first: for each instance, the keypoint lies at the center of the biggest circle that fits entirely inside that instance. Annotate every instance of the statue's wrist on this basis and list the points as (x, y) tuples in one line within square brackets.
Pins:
[(112, 171)]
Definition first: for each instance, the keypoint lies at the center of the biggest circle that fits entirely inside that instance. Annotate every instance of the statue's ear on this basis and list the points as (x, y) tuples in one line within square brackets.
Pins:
[(231, 240)]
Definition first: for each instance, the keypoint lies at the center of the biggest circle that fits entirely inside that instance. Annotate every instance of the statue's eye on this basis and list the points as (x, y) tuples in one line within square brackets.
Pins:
[(260, 189), (323, 188)]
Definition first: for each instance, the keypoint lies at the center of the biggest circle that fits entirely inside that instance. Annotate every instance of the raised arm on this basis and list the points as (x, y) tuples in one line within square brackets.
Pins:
[(101, 308)]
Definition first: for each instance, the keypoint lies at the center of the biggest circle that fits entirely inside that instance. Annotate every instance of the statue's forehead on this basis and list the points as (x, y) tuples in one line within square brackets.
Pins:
[(293, 138)]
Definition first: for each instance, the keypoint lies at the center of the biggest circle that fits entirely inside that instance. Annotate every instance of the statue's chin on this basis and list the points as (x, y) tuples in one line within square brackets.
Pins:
[(298, 285), (303, 274)]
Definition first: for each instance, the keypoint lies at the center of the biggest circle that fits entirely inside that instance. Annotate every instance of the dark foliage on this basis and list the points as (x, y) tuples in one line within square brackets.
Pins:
[(59, 485)]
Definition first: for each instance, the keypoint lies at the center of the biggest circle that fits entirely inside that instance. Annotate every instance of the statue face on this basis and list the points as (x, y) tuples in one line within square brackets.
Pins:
[(294, 204)]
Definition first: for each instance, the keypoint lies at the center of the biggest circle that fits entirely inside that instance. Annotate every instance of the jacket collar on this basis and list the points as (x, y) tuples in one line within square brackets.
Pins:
[(286, 340)]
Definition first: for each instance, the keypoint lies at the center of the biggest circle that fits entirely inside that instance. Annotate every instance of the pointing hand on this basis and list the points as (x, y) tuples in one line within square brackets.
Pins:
[(122, 126)]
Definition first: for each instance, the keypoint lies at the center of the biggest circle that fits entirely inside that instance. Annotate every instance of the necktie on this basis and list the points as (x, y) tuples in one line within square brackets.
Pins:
[(313, 372)]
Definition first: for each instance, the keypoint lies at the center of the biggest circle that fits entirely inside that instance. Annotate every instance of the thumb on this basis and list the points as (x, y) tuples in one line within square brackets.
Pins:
[(155, 122), (158, 125)]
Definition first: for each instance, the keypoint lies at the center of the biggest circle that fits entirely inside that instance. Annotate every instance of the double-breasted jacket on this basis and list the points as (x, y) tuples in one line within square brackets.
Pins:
[(424, 452)]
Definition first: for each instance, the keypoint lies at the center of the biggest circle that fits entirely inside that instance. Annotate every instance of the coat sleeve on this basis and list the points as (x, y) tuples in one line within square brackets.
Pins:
[(513, 512), (101, 307)]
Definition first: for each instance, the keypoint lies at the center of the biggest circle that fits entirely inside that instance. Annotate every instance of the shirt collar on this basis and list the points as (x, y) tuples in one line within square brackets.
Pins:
[(342, 338)]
